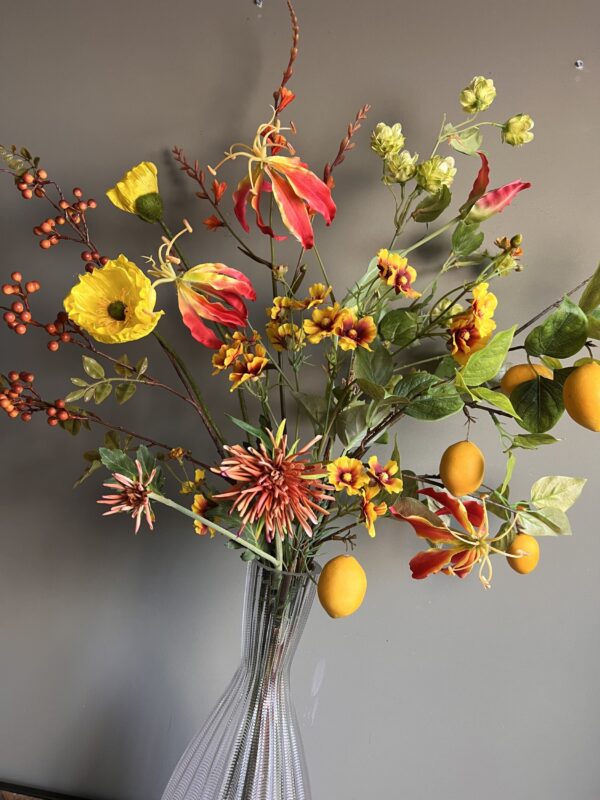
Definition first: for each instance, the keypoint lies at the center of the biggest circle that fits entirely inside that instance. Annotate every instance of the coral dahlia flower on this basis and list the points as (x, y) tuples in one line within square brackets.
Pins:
[(133, 496), (275, 489)]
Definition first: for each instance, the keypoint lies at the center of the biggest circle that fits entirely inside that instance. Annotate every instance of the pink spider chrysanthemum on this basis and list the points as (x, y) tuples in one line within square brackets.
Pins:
[(275, 489), (133, 497)]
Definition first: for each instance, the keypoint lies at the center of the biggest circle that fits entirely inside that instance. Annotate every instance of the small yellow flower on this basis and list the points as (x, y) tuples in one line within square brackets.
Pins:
[(115, 303), (288, 336), (347, 473), (478, 95), (137, 193), (484, 303), (228, 352), (318, 293), (370, 511), (248, 368), (383, 475), (322, 323), (354, 332), (517, 130), (281, 306), (396, 271), (189, 487), (469, 333), (200, 506), (435, 173)]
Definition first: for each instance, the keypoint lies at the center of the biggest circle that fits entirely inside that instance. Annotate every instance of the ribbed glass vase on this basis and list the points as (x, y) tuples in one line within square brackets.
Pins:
[(250, 747)]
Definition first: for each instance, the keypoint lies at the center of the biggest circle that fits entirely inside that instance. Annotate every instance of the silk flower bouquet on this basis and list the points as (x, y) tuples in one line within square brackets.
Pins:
[(389, 346)]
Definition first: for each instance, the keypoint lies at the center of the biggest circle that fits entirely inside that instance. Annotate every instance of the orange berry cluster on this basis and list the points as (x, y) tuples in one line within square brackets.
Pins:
[(61, 330), (19, 316), (30, 184), (21, 400)]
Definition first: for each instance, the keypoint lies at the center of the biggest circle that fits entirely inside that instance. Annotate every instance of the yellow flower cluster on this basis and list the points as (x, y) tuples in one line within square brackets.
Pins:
[(332, 320), (245, 358), (471, 330), (351, 475), (189, 487), (395, 271)]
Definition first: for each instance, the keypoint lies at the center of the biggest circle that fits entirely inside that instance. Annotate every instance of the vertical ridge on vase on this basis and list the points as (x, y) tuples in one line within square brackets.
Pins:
[(250, 746)]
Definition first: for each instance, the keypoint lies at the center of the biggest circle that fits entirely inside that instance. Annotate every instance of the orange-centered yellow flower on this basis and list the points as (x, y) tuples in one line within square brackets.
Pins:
[(321, 323), (347, 473), (249, 367), (396, 271), (484, 303), (288, 336), (383, 475), (317, 294), (371, 511), (200, 506), (472, 330), (354, 332)]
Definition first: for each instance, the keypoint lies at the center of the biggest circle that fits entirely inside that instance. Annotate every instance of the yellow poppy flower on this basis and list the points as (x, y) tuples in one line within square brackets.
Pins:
[(137, 193), (115, 303)]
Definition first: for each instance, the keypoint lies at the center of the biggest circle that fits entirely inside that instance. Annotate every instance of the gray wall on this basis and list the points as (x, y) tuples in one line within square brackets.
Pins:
[(113, 648)]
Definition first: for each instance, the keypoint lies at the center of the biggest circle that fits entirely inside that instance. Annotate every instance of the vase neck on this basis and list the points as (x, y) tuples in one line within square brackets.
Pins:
[(276, 607)]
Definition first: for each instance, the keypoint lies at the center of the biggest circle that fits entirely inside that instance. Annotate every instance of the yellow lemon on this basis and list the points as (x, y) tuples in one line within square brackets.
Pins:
[(581, 395), (521, 373), (342, 586), (461, 468), (527, 549)]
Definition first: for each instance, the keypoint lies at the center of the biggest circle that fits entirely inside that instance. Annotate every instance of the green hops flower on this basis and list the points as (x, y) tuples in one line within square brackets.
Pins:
[(387, 141), (445, 309), (478, 95), (506, 263), (517, 130), (435, 173), (400, 167)]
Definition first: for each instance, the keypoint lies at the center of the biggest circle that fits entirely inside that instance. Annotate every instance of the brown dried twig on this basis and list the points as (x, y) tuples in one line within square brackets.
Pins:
[(346, 144), (289, 70)]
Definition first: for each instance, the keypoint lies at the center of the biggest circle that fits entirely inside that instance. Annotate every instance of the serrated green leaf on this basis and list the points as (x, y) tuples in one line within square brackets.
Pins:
[(124, 392), (590, 298), (467, 141), (539, 404), (466, 238), (483, 365), (101, 392), (561, 335), (399, 327), (376, 366), (433, 205), (117, 461), (93, 368), (556, 491)]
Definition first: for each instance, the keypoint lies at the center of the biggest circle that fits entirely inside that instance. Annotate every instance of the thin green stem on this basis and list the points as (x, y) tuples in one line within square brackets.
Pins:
[(213, 526), (431, 236), (323, 271)]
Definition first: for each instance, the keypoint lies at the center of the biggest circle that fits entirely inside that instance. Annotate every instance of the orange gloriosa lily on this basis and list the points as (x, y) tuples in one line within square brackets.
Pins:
[(452, 552), (298, 192)]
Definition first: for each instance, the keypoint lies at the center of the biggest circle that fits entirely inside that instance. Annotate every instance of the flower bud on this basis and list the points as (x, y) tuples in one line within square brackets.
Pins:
[(506, 263), (387, 141), (478, 95), (446, 308), (517, 130), (435, 173), (400, 167)]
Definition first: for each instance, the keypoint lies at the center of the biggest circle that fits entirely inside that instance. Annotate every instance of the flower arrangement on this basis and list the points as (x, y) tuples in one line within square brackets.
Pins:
[(389, 346)]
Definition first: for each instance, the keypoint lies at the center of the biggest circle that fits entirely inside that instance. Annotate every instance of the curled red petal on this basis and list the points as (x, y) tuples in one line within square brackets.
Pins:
[(240, 198), (425, 528), (197, 328), (311, 189), (428, 562), (263, 186), (449, 505), (217, 312), (481, 181), (495, 201), (220, 277), (463, 561), (293, 211)]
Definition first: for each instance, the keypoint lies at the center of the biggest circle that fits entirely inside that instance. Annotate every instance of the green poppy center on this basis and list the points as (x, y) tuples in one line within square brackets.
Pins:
[(116, 310)]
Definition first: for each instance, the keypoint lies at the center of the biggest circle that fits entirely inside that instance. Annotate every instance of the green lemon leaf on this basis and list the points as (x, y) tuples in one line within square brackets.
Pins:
[(352, 424), (590, 299), (593, 323), (376, 366), (496, 399), (438, 403), (539, 404), (562, 334), (550, 522), (371, 389), (531, 441), (556, 491), (484, 364), (92, 367), (399, 327)]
